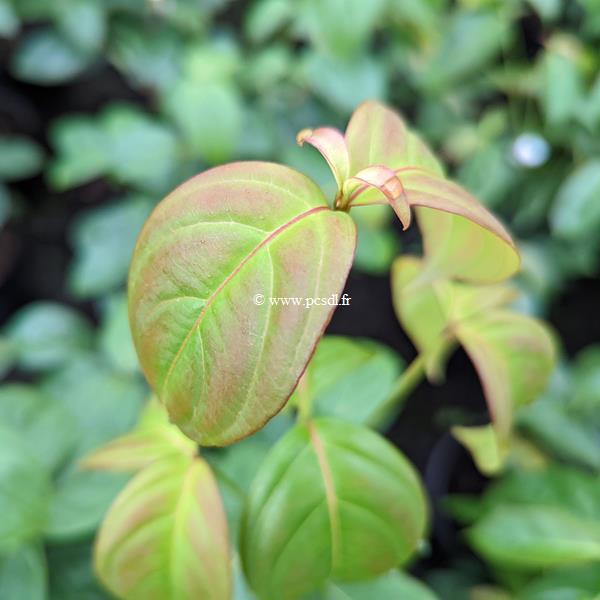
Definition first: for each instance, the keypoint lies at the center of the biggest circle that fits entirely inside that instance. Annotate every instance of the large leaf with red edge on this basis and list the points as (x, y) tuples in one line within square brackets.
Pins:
[(332, 500), (461, 238), (165, 536), (222, 363), (514, 354)]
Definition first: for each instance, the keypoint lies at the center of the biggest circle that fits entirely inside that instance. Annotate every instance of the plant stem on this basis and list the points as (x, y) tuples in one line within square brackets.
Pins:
[(405, 384)]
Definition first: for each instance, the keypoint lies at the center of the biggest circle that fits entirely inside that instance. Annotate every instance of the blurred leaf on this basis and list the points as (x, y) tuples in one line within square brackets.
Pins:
[(48, 335), (486, 448), (535, 537), (153, 439), (82, 22), (575, 583), (148, 57), (576, 210), (42, 423), (169, 520), (345, 84), (341, 27), (115, 336), (8, 355), (104, 403), (71, 575), (307, 486), (378, 244), (20, 158), (104, 239), (123, 143), (349, 378), (24, 492), (9, 20), (547, 9), (470, 41), (23, 574), (79, 502), (265, 18), (395, 585), (45, 58), (586, 381), (209, 117)]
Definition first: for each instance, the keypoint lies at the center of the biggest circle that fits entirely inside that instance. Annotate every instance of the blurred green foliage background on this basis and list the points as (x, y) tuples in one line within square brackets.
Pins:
[(106, 106)]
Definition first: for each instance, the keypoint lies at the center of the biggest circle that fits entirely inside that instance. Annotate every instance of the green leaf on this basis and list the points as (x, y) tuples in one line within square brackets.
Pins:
[(103, 239), (20, 158), (395, 585), (349, 378), (83, 23), (586, 381), (42, 422), (115, 336), (307, 519), (24, 491), (377, 245), (575, 583), (209, 117), (535, 537), (153, 439), (104, 403), (341, 27), (45, 58), (9, 20), (265, 17), (206, 265), (8, 355), (123, 143), (576, 210), (70, 572), (78, 503), (486, 448), (23, 574), (345, 83), (47, 335), (170, 522)]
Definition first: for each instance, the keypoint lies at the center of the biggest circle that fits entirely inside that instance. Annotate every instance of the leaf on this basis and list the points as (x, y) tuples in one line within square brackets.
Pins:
[(104, 239), (209, 117), (44, 57), (47, 335), (9, 20), (535, 537), (153, 439), (24, 490), (23, 574), (341, 27), (331, 500), (378, 243), (78, 503), (586, 381), (488, 451), (575, 213), (169, 523), (344, 83), (103, 403), (8, 355), (265, 17), (42, 422), (115, 336), (20, 158), (83, 23), (514, 354), (454, 226), (123, 143), (349, 378), (574, 582), (395, 585), (204, 343)]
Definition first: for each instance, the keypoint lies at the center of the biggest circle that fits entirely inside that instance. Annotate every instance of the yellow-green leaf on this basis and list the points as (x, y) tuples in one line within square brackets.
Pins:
[(165, 537)]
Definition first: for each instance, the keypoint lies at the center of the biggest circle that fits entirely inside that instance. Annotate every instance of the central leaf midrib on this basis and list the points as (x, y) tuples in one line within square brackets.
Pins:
[(273, 235)]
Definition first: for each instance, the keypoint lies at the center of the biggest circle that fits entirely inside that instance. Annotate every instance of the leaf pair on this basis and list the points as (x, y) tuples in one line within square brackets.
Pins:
[(219, 353), (514, 354), (166, 535)]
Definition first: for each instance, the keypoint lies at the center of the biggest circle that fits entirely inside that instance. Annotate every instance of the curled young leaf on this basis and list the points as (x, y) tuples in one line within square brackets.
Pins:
[(165, 536), (331, 500), (207, 264), (461, 238)]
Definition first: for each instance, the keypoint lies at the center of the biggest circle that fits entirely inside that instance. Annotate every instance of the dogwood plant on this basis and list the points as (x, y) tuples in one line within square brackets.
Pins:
[(333, 501)]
